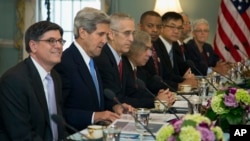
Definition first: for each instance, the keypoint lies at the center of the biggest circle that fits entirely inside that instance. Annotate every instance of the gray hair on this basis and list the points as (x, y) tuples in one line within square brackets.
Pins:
[(88, 18), (200, 21), (141, 38), (116, 18)]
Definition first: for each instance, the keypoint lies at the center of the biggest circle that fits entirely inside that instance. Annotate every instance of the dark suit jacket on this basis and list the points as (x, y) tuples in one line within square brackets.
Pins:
[(194, 55), (141, 97), (110, 75), (125, 90), (171, 75), (79, 93), (24, 113)]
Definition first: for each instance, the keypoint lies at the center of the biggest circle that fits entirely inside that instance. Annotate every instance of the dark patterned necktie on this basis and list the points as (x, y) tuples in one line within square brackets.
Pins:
[(183, 51), (120, 69), (155, 59)]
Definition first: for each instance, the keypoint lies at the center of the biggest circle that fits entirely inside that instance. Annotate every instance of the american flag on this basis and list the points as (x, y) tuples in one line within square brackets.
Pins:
[(232, 38)]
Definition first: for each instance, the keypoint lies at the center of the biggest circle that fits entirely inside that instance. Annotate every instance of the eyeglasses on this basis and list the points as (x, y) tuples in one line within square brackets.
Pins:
[(199, 31), (53, 41), (125, 33), (179, 28)]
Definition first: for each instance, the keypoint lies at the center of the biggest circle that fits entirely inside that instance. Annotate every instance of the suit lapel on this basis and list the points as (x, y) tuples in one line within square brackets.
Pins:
[(85, 74), (163, 52), (37, 84), (112, 60)]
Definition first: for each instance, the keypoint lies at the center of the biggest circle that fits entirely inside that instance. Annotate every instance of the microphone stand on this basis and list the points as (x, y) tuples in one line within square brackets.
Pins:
[(142, 85), (171, 88), (191, 64)]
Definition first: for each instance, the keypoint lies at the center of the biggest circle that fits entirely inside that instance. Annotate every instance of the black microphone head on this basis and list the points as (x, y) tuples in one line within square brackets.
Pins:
[(109, 94), (57, 119), (236, 47), (227, 48), (140, 83), (190, 63), (157, 78)]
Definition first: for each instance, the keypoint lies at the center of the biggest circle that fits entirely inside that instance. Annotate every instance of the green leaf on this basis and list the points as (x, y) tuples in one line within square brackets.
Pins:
[(211, 114), (223, 123), (188, 123)]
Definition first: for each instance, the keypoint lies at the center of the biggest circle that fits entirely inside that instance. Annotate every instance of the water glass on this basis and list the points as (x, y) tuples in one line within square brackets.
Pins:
[(196, 102), (111, 133), (141, 120)]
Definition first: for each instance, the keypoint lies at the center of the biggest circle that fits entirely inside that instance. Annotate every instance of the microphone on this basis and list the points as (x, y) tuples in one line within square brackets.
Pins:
[(111, 95), (227, 49), (191, 64), (60, 121), (158, 78), (243, 53), (141, 85)]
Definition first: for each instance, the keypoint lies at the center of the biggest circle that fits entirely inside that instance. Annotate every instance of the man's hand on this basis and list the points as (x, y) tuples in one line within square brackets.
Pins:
[(222, 67), (188, 74), (125, 108), (166, 95), (105, 116)]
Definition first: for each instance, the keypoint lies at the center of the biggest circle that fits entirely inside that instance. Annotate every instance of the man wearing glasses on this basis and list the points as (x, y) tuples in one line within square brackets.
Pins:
[(112, 70), (30, 92), (170, 53)]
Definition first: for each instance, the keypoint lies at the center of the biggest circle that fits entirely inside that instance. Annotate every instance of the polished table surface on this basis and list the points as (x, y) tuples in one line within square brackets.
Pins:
[(157, 117)]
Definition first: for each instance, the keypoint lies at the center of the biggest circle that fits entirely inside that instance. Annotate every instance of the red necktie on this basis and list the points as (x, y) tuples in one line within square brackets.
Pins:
[(155, 59), (183, 51), (120, 69)]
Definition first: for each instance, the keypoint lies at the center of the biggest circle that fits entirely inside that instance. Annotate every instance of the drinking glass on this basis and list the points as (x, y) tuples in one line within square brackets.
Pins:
[(141, 120), (111, 133)]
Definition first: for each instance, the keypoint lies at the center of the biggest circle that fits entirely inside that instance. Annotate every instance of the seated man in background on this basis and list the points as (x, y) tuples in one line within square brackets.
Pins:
[(185, 35), (139, 53), (202, 53), (82, 86), (151, 22)]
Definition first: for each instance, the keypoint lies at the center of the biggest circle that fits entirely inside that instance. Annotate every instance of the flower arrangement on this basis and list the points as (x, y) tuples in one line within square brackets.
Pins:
[(229, 107), (190, 128)]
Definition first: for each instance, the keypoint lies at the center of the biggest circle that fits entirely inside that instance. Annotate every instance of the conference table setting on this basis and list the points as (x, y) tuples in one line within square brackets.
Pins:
[(195, 111)]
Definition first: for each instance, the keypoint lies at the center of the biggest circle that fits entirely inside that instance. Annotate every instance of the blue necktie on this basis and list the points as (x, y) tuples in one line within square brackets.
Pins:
[(52, 105), (93, 74)]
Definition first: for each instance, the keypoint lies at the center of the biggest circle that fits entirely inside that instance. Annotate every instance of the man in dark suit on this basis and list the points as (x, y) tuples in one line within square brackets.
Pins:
[(137, 57), (82, 87), (185, 36), (26, 104), (109, 62)]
